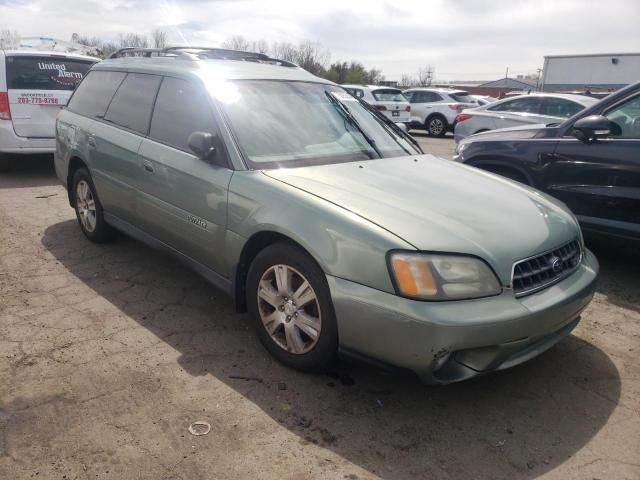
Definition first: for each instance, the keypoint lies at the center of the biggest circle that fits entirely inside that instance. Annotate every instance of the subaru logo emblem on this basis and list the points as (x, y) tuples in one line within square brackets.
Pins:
[(556, 264)]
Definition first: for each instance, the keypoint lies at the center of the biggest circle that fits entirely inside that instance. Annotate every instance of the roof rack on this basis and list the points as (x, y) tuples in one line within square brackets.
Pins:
[(199, 53)]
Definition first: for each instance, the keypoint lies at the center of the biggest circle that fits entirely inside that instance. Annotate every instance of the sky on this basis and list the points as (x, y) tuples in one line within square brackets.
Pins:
[(460, 39)]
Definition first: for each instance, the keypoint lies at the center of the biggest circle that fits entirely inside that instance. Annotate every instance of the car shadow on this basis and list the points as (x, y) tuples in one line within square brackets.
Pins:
[(29, 171), (519, 423), (619, 261)]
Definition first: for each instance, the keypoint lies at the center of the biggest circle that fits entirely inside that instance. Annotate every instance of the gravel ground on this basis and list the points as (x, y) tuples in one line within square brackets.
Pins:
[(109, 353)]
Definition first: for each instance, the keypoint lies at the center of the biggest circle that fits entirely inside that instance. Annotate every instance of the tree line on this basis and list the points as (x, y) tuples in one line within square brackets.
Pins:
[(311, 56)]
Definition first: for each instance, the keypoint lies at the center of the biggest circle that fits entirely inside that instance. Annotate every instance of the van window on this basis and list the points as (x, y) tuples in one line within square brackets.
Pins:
[(45, 73), (93, 95), (388, 95), (181, 109), (131, 105)]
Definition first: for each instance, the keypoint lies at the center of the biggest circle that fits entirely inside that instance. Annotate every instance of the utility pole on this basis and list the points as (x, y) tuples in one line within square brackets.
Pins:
[(539, 70), (506, 74)]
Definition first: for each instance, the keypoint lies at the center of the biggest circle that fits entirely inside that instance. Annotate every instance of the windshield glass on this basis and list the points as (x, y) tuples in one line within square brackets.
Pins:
[(388, 95), (290, 124)]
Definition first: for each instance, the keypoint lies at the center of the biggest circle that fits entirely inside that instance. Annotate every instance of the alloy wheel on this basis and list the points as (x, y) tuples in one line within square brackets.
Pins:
[(436, 126), (86, 206), (289, 309)]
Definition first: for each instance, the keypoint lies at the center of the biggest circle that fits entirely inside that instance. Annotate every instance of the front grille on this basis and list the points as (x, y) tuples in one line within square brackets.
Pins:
[(541, 271)]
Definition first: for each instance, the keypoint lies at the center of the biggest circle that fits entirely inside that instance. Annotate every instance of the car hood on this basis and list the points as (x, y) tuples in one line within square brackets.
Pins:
[(438, 205)]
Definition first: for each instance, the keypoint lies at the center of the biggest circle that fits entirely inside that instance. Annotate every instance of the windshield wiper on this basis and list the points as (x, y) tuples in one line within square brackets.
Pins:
[(392, 125), (347, 115)]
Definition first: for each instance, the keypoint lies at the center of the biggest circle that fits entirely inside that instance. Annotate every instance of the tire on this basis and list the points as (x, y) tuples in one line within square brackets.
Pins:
[(437, 126), (272, 305), (89, 211)]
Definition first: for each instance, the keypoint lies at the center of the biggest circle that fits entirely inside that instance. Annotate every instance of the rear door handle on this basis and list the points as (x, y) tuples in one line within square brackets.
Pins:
[(148, 167)]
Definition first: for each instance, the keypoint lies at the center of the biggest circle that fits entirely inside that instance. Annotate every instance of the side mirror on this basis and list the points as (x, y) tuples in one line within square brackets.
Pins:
[(591, 128), (202, 144)]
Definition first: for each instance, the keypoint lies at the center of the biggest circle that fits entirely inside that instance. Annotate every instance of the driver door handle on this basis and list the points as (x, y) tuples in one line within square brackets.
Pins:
[(147, 166), (91, 141)]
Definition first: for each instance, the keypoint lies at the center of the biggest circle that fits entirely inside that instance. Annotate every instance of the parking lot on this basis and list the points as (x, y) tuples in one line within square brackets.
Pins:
[(109, 352)]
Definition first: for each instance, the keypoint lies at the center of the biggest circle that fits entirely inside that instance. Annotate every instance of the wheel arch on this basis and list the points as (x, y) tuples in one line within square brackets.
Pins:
[(252, 247), (75, 163), (495, 163)]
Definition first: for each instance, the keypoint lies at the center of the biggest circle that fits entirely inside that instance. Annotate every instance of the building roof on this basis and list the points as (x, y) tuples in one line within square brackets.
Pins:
[(509, 83), (595, 55)]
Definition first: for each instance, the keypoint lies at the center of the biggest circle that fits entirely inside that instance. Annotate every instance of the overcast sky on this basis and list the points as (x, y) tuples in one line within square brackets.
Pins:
[(461, 39)]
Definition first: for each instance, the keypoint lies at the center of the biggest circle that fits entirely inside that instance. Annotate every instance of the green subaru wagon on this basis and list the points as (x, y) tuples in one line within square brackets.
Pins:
[(319, 216)]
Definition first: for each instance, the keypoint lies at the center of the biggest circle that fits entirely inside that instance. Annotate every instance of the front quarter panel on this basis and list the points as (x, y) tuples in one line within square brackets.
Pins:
[(343, 244)]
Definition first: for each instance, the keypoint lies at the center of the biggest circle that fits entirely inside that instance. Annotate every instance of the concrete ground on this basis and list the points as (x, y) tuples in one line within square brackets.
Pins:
[(109, 352)]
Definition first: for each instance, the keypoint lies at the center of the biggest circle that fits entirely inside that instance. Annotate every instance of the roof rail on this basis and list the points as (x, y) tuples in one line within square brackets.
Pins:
[(199, 53)]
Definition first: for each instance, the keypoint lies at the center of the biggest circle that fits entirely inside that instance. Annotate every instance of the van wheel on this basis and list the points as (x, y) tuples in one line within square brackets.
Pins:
[(88, 208), (290, 304), (437, 126)]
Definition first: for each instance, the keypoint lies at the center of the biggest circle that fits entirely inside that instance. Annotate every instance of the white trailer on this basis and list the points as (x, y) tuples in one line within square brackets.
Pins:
[(602, 71)]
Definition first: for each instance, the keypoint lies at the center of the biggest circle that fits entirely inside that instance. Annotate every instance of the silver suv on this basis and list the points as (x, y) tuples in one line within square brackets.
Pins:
[(435, 109)]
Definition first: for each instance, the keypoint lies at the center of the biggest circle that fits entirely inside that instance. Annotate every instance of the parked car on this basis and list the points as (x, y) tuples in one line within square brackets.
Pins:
[(386, 100), (483, 100), (526, 109), (320, 216), (591, 161), (34, 86), (435, 109)]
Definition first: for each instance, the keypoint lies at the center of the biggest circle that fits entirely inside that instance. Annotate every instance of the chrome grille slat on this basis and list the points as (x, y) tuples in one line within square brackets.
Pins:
[(533, 274)]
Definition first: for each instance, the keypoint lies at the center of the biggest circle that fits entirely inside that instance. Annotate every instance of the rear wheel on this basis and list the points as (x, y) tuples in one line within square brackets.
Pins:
[(437, 126), (88, 208), (290, 304)]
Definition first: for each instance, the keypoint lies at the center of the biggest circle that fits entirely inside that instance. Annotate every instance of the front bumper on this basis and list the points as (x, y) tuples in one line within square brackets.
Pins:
[(445, 342)]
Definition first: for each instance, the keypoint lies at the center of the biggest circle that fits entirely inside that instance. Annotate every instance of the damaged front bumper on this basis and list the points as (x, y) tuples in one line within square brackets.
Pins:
[(445, 342)]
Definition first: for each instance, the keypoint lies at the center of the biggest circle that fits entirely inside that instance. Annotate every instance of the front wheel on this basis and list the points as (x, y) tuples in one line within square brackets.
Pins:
[(289, 301), (437, 126)]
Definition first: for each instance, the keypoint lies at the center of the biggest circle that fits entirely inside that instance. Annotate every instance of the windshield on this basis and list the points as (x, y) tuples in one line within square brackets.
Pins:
[(388, 95), (290, 124)]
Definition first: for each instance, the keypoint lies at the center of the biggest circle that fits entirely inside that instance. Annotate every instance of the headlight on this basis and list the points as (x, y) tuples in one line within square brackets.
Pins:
[(426, 276)]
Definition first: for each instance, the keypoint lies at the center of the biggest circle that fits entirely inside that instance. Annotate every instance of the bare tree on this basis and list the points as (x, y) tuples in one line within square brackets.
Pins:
[(425, 76), (159, 38), (407, 81), (284, 51), (9, 39), (259, 46), (312, 57), (237, 42), (133, 40)]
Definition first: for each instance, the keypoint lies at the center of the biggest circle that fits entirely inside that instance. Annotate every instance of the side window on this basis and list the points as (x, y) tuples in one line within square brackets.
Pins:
[(407, 95), (432, 97), (94, 93), (131, 106), (520, 105), (627, 117), (559, 107), (417, 97), (181, 109)]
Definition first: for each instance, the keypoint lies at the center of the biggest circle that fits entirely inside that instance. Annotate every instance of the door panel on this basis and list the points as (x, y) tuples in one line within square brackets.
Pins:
[(114, 163), (183, 202), (600, 179)]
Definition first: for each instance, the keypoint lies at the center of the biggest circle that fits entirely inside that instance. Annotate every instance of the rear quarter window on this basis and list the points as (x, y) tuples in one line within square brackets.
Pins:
[(93, 95), (45, 73), (132, 104)]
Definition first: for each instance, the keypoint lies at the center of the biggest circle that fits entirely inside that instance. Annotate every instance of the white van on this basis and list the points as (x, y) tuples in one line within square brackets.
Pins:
[(34, 87)]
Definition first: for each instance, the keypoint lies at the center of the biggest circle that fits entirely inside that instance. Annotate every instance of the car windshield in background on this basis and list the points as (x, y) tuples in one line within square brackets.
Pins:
[(462, 97), (290, 124), (388, 95), (45, 73)]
